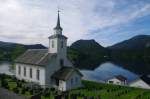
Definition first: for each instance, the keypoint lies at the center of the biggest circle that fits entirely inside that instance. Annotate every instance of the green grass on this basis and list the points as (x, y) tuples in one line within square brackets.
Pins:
[(106, 91), (95, 89)]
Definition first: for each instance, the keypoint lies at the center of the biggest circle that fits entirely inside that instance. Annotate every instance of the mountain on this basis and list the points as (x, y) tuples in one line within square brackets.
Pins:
[(9, 46), (87, 53), (87, 46), (138, 42), (133, 54), (9, 51)]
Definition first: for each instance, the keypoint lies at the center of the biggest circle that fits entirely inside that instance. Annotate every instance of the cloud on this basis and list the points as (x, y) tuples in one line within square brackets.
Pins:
[(32, 21)]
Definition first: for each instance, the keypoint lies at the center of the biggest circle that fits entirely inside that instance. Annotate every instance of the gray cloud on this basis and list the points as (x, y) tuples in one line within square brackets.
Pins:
[(32, 21)]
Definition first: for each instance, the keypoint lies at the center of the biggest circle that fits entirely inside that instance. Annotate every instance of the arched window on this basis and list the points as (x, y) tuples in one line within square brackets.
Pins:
[(24, 71), (19, 70), (52, 44), (38, 74), (30, 72)]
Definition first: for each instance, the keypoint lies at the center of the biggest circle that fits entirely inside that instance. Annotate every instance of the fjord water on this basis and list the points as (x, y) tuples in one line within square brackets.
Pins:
[(101, 73), (106, 71), (6, 68)]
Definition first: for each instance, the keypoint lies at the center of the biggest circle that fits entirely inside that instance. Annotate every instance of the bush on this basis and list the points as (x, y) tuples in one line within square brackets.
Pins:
[(19, 84), (4, 83), (16, 90), (23, 91), (31, 91), (52, 89), (14, 79), (7, 87)]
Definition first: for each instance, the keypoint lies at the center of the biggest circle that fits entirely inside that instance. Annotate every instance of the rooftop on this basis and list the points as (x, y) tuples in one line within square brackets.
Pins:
[(39, 57)]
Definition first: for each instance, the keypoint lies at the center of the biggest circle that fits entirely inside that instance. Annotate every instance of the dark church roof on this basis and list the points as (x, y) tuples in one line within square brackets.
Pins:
[(58, 36), (39, 57), (64, 73), (121, 78)]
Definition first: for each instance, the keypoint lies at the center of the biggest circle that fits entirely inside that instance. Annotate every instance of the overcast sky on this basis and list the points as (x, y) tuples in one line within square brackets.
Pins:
[(106, 21)]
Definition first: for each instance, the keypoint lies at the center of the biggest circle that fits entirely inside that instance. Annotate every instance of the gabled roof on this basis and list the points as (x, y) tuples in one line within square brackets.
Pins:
[(121, 78), (64, 73), (39, 57)]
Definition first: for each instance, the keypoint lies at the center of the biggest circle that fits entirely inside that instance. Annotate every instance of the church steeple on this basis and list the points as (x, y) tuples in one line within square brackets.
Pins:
[(57, 41), (58, 29)]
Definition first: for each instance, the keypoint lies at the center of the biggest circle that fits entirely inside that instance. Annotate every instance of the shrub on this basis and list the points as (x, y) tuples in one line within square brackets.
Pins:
[(19, 84), (16, 90), (23, 91), (31, 91), (4, 83), (7, 87), (52, 89)]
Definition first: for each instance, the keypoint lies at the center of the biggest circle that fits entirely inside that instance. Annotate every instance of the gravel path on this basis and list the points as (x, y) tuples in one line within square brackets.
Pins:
[(5, 94)]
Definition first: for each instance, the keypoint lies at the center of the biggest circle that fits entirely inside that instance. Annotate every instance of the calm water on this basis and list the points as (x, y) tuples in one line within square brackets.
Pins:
[(5, 68), (101, 73), (107, 70)]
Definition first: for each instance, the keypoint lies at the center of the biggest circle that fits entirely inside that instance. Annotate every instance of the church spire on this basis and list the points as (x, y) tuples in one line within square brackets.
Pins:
[(58, 27)]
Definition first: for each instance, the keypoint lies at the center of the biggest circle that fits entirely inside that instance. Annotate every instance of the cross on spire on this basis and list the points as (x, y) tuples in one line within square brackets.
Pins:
[(58, 21)]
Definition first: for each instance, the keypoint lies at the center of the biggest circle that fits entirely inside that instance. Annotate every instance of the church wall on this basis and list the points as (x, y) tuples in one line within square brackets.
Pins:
[(53, 49), (62, 52), (50, 69), (41, 81), (114, 81), (72, 82)]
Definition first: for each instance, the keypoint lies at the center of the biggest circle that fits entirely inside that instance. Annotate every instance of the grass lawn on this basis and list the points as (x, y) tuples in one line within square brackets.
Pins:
[(91, 89), (105, 91)]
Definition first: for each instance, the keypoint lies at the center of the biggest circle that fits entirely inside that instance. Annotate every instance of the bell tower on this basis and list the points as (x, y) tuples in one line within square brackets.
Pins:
[(57, 41)]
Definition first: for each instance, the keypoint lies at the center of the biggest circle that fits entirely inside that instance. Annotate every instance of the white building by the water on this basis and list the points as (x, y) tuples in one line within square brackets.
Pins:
[(142, 82), (117, 80), (49, 67)]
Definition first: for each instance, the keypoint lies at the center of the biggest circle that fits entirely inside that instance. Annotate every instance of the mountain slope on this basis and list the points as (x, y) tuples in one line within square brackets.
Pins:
[(9, 51), (133, 53), (9, 46), (137, 42), (87, 53)]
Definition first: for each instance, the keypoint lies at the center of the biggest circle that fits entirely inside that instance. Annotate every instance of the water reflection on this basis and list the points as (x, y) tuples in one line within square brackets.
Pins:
[(107, 70)]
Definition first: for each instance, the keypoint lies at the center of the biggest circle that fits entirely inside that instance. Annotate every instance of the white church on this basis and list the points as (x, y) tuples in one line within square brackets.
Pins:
[(49, 67)]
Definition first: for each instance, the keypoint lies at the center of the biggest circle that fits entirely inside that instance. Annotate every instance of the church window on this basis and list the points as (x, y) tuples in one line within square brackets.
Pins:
[(30, 72), (52, 44), (19, 70), (57, 82), (38, 74), (62, 44), (24, 71), (61, 62)]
